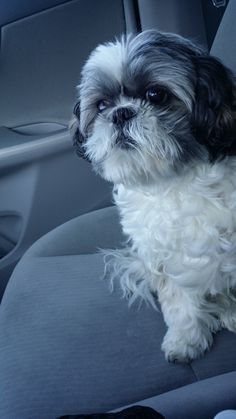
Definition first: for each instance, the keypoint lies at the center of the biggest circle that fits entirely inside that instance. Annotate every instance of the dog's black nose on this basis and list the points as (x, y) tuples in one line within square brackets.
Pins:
[(123, 114)]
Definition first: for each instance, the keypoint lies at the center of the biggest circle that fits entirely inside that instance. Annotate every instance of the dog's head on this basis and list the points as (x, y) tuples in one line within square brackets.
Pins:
[(151, 104)]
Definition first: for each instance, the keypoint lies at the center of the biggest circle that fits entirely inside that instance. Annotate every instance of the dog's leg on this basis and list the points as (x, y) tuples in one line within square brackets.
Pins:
[(226, 301), (190, 327), (228, 315)]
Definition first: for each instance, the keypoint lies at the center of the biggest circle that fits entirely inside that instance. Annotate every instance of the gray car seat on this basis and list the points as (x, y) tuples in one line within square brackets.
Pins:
[(68, 345)]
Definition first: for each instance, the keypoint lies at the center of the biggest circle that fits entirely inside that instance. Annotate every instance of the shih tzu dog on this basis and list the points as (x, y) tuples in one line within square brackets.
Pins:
[(156, 116)]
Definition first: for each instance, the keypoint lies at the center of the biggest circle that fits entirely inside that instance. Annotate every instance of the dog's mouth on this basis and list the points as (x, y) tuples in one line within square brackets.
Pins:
[(125, 142)]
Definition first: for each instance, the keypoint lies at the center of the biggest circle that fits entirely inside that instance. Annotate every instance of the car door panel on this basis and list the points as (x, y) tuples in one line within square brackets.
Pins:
[(42, 183)]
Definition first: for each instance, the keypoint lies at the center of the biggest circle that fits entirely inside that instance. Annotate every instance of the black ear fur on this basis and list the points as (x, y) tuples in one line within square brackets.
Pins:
[(214, 113), (78, 138)]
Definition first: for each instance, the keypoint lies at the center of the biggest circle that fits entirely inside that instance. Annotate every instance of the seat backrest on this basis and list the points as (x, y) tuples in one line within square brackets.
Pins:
[(224, 45), (180, 16)]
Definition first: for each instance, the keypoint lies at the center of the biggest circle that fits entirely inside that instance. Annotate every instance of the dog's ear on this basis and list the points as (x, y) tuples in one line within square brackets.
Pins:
[(78, 138), (214, 112)]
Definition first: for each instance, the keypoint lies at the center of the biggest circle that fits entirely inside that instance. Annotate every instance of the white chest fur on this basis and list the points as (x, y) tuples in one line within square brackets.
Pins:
[(185, 227)]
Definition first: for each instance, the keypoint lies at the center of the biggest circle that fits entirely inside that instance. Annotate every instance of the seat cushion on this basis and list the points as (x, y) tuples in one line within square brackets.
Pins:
[(68, 345)]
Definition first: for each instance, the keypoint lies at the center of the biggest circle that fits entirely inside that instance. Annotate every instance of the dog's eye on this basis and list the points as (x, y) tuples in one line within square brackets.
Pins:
[(157, 95), (103, 104)]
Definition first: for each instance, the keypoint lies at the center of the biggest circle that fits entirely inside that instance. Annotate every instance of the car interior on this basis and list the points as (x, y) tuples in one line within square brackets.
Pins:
[(67, 344)]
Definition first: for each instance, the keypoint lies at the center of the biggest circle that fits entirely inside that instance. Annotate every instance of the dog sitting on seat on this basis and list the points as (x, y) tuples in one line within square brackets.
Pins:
[(156, 116)]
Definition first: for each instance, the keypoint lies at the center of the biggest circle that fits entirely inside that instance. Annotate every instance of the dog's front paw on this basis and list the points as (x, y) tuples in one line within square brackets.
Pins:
[(228, 320), (182, 346)]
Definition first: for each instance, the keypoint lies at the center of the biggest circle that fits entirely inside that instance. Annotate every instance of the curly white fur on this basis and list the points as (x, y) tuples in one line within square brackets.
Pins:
[(182, 249)]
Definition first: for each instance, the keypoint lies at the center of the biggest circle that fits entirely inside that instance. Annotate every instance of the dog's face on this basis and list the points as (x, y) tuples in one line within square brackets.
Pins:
[(150, 105)]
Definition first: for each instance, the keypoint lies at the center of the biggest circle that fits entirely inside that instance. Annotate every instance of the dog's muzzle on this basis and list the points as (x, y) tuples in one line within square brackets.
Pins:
[(121, 118), (123, 114)]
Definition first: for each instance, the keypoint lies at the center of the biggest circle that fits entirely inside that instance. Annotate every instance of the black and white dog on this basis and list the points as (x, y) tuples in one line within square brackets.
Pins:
[(156, 116)]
